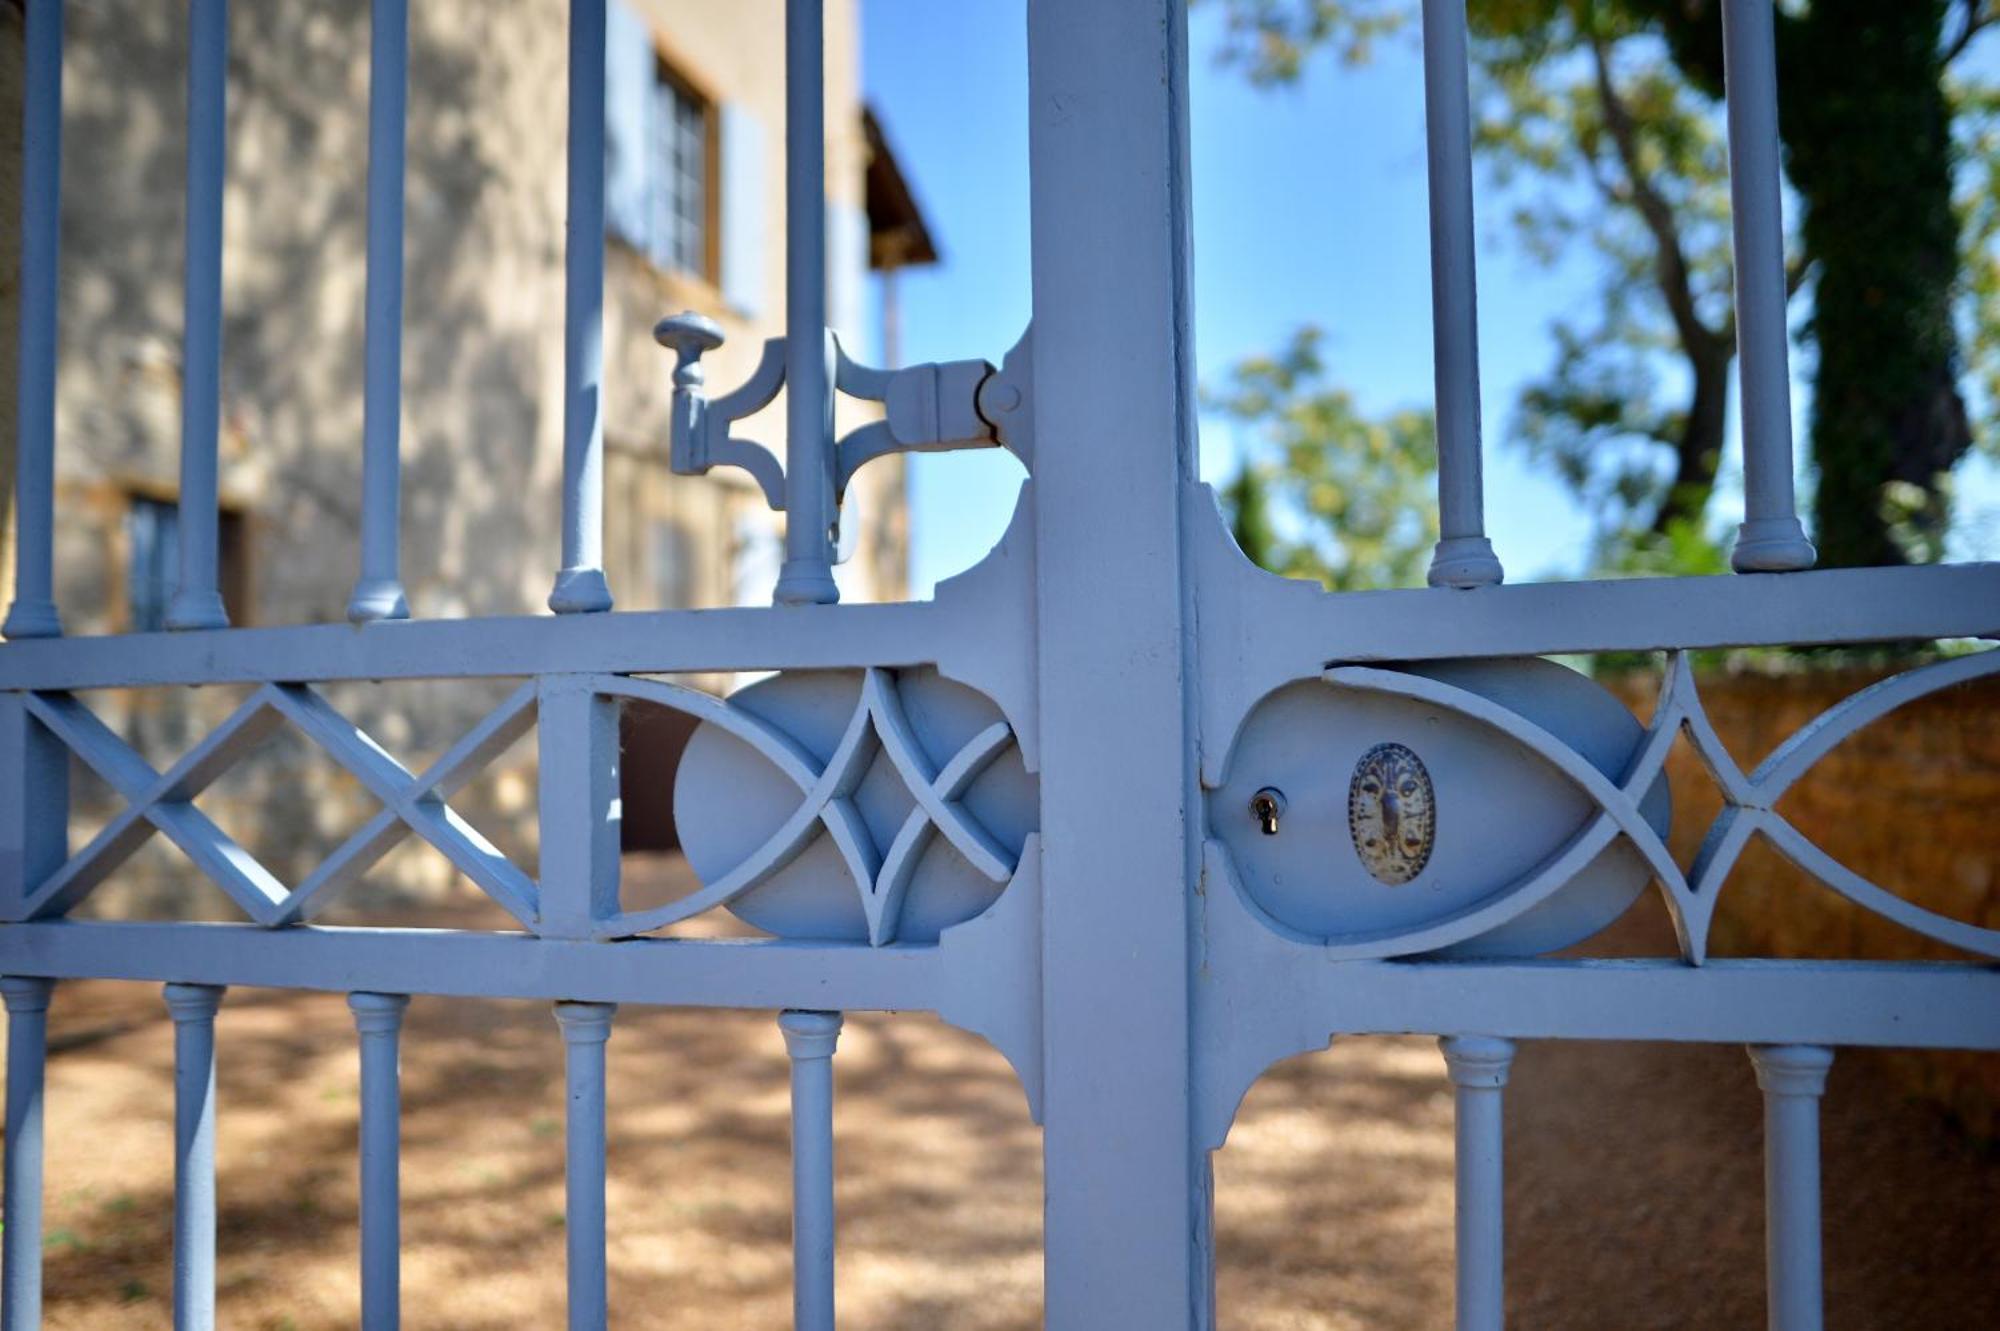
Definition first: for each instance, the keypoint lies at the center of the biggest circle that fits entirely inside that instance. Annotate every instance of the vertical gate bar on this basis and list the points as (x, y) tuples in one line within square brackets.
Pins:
[(807, 575), (1478, 1065), (193, 1007), (34, 805), (378, 1019), (1464, 556), (580, 586), (33, 613), (1792, 1077), (579, 807), (810, 1038), (27, 999), (197, 603), (1770, 539), (378, 594), (585, 1028), (1126, 1239)]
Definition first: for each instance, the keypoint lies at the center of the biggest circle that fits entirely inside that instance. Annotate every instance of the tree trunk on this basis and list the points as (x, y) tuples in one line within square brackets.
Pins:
[(1867, 129), (1698, 450), (1869, 133)]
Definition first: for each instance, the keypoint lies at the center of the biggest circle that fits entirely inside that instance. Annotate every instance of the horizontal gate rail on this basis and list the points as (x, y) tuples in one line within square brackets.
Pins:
[(1947, 1005), (1833, 606), (652, 642), (682, 972)]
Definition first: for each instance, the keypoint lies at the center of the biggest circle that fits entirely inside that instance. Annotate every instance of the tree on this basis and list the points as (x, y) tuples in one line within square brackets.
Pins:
[(1867, 120), (1353, 494), (1246, 503), (1600, 120)]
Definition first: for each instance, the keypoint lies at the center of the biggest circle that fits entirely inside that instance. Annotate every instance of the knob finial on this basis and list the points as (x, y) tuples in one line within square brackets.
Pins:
[(689, 335)]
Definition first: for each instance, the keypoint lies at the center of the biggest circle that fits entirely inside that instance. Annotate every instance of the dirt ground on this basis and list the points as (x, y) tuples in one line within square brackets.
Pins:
[(1634, 1179)]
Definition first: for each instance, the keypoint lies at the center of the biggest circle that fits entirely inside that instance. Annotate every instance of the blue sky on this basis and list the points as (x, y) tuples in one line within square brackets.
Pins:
[(1309, 207)]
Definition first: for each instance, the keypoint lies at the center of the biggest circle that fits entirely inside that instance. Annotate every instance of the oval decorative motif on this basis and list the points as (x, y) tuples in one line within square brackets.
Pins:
[(1511, 809), (1392, 813)]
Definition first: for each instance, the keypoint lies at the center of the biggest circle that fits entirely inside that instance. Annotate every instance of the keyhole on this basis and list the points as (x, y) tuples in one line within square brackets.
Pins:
[(1267, 806)]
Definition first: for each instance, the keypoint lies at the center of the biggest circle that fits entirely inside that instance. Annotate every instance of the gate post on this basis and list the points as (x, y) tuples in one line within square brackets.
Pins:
[(1126, 1235)]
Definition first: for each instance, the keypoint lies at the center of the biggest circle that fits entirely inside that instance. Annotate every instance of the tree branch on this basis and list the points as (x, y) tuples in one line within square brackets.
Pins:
[(1796, 271), (1671, 267), (1979, 15)]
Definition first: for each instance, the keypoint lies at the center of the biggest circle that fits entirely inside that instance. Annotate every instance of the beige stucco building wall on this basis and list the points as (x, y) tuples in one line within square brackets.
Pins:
[(483, 342), (481, 420)]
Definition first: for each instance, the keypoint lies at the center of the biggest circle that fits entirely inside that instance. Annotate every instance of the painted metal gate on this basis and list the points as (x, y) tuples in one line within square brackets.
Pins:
[(1144, 817)]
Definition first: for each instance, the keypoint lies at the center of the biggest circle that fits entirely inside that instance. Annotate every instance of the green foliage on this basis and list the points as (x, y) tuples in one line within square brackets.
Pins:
[(1270, 40), (1976, 131), (1601, 122), (1353, 506), (1598, 144), (1684, 549), (1871, 158), (1246, 503)]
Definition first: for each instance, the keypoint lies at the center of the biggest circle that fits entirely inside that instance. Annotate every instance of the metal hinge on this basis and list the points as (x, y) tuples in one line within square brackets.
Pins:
[(931, 408)]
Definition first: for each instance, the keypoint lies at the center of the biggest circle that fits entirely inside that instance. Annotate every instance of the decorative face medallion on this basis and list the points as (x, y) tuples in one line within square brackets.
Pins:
[(1391, 813)]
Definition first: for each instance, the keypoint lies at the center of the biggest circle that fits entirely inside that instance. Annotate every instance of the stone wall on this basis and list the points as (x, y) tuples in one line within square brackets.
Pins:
[(481, 413), (1911, 803)]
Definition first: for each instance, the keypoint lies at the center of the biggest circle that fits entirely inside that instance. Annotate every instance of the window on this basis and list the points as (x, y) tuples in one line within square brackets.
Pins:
[(660, 147), (153, 536), (680, 177)]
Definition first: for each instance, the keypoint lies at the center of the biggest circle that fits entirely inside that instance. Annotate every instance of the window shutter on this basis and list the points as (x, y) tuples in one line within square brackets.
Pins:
[(744, 222), (847, 276), (850, 530), (630, 74)]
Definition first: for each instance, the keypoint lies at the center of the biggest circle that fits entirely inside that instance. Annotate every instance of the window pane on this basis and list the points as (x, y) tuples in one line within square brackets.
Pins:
[(680, 180)]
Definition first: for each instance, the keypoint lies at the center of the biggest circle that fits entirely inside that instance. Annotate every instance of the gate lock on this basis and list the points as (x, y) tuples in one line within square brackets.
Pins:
[(1267, 806)]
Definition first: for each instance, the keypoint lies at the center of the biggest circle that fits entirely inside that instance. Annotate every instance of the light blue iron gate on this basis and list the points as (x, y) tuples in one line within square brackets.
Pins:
[(1156, 809)]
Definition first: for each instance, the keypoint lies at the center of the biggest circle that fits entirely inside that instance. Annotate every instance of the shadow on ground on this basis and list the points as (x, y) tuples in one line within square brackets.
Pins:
[(1633, 1187)]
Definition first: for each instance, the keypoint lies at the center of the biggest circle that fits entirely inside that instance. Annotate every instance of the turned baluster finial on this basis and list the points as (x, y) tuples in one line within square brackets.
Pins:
[(689, 335)]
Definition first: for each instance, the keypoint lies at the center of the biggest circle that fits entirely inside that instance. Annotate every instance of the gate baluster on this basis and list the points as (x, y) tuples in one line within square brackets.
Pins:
[(1478, 1065), (810, 1038), (197, 604), (193, 1007), (378, 593), (27, 1001), (586, 1027), (580, 585), (1464, 556), (806, 576), (1792, 1077), (378, 1018), (1770, 539), (33, 613)]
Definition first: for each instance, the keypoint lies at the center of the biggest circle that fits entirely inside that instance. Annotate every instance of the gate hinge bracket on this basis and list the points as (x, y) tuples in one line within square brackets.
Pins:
[(936, 407)]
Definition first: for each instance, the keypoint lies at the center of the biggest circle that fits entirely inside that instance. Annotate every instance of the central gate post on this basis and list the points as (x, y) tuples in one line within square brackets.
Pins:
[(1127, 1232)]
